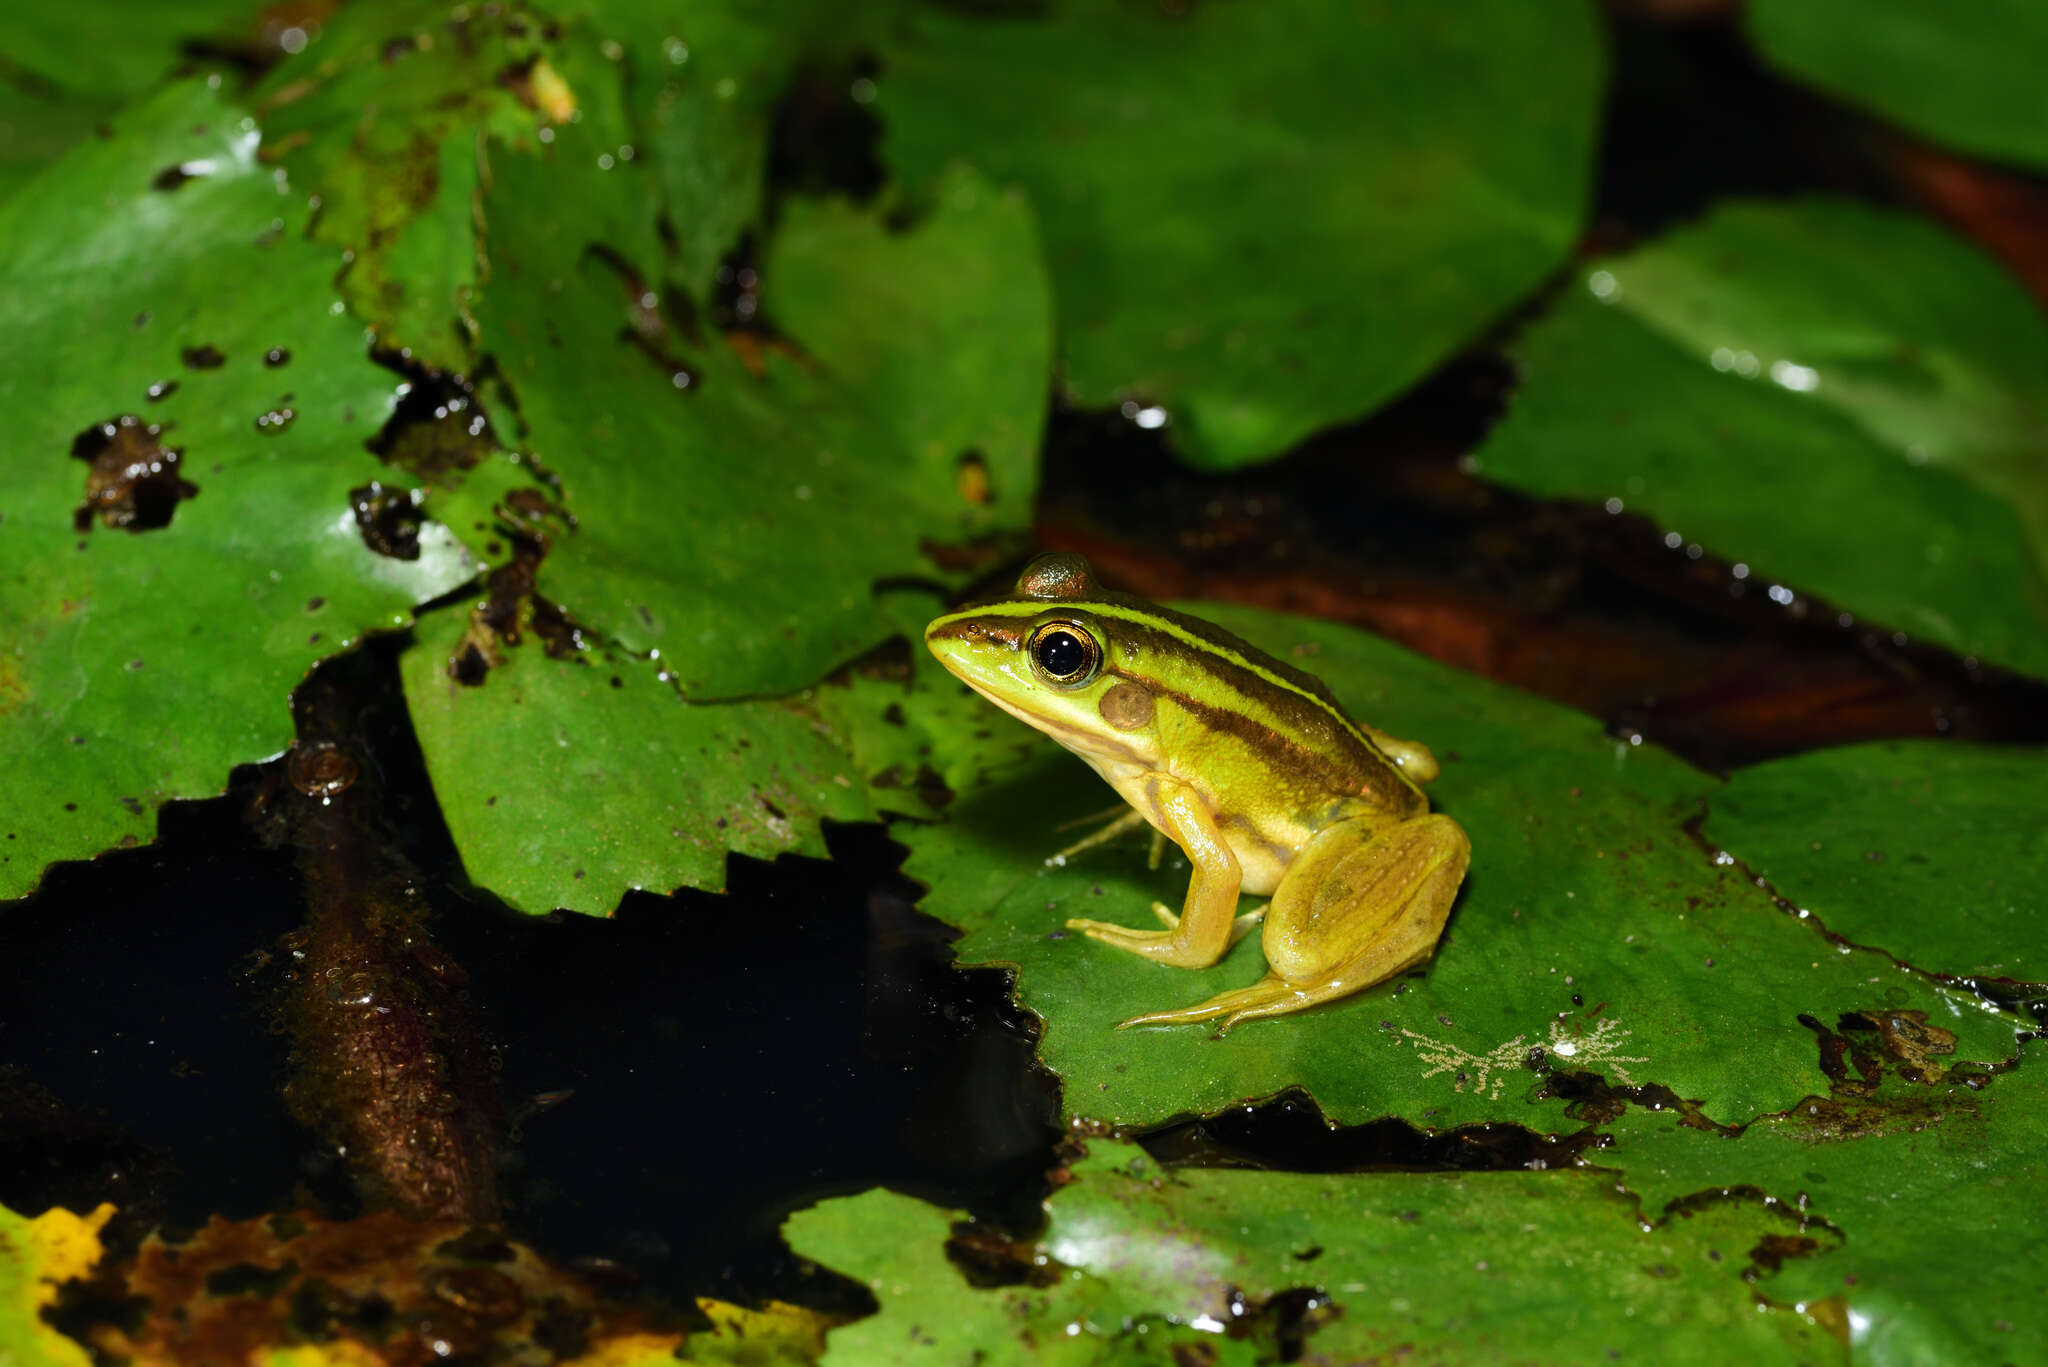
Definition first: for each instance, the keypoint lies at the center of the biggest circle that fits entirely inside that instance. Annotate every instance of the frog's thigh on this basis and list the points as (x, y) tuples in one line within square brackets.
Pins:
[(1358, 906)]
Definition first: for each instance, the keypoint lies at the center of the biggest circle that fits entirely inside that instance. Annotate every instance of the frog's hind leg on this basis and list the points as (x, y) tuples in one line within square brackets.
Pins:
[(1263, 997), (1356, 908)]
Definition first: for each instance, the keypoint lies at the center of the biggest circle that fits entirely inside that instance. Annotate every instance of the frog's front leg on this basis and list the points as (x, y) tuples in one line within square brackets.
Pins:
[(1203, 930), (1356, 907)]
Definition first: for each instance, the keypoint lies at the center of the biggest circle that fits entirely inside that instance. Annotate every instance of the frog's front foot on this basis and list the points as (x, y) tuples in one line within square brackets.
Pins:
[(1169, 946), (1160, 946)]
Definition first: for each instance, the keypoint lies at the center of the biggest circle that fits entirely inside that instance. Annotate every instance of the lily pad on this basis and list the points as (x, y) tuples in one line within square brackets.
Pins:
[(735, 502), (1842, 399), (160, 299), (702, 86), (66, 69), (915, 739), (1595, 933), (1968, 76), (643, 790), (1148, 1263), (35, 1255), (1931, 850), (384, 116), (1265, 219), (1923, 1206)]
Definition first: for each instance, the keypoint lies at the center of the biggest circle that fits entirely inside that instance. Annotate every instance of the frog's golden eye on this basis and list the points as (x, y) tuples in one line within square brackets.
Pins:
[(1064, 654)]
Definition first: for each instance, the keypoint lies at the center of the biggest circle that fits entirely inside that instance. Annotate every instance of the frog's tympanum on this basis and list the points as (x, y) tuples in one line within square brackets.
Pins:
[(1247, 764)]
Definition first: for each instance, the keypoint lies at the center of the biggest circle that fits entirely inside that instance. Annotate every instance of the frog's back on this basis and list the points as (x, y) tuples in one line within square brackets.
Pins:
[(1265, 734)]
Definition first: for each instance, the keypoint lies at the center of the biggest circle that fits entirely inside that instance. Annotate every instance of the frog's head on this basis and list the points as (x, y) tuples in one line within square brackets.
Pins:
[(1051, 655)]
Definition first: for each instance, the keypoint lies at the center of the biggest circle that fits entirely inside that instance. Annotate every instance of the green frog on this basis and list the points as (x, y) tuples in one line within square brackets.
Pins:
[(1249, 765)]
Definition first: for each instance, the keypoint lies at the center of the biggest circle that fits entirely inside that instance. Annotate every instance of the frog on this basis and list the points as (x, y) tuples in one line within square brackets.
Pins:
[(1250, 765)]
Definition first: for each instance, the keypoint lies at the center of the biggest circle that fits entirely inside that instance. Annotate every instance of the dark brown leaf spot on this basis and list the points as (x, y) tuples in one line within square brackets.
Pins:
[(132, 479), (436, 427), (171, 177), (202, 358), (389, 520)]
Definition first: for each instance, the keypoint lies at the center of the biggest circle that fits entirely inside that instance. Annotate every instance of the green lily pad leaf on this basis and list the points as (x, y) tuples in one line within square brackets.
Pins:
[(66, 69), (896, 1245), (1933, 1191), (1968, 77), (645, 790), (915, 738), (1931, 850), (734, 504), (161, 607), (36, 1255), (702, 89), (1146, 1262), (391, 121), (37, 122), (383, 116), (1267, 220), (1594, 933), (1842, 399), (862, 300)]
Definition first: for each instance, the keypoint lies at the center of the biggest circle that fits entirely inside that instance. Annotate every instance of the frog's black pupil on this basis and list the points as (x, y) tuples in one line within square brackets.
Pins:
[(1061, 654)]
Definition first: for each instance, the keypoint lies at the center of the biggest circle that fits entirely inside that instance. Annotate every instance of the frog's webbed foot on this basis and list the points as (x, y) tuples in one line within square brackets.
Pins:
[(1270, 996)]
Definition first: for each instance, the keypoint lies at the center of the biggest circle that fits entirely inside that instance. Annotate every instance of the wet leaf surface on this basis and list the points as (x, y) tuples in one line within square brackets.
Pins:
[(735, 499), (35, 1256), (66, 69), (384, 116), (1964, 77), (1266, 222), (1173, 1266), (1933, 851), (1842, 399), (1923, 1199), (1594, 934), (161, 610), (701, 95), (645, 790), (917, 741)]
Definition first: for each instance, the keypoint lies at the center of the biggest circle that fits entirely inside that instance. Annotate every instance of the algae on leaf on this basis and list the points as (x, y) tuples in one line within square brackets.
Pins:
[(1934, 851), (1266, 218), (1843, 399), (167, 317), (1595, 933), (1967, 75), (1146, 1263)]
